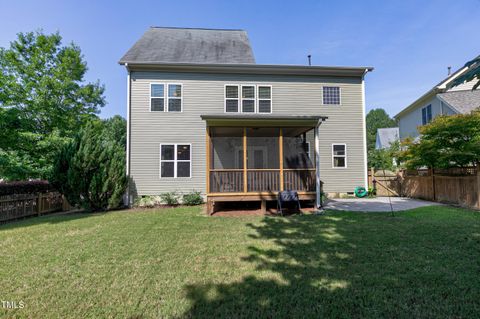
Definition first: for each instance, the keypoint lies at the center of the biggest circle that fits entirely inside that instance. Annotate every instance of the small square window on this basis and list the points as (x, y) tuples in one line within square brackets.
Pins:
[(331, 95)]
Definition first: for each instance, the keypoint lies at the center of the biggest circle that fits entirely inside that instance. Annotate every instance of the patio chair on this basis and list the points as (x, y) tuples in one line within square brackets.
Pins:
[(285, 197)]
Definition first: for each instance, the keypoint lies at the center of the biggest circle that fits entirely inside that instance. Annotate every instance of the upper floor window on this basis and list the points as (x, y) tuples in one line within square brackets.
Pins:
[(173, 96), (427, 114), (175, 160), (248, 98), (331, 95), (231, 98), (339, 155), (157, 98), (264, 99)]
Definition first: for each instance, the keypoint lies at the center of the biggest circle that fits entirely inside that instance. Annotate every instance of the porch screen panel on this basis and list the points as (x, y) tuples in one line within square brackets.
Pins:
[(226, 159), (298, 159), (263, 160)]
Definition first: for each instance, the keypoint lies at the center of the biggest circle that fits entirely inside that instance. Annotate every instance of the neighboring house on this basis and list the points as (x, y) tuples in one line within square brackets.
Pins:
[(440, 100), (386, 137), (203, 116)]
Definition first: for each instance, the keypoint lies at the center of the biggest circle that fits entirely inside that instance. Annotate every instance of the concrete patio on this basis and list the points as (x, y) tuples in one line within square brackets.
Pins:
[(378, 204)]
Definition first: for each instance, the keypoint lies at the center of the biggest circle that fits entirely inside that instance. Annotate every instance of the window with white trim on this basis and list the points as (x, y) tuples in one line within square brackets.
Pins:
[(339, 155), (171, 93), (248, 98), (157, 98), (175, 160), (232, 98), (174, 98), (264, 99), (331, 95), (427, 114)]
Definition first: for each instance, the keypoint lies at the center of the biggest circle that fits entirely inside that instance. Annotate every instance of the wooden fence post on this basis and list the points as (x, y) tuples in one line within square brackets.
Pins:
[(39, 204), (432, 174), (478, 186)]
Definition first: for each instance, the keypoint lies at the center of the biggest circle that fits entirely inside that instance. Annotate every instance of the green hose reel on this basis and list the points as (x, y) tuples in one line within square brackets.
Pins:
[(360, 192)]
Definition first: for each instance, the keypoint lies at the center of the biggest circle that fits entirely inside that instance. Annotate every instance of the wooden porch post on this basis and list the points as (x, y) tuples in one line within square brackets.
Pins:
[(280, 148), (245, 186), (208, 158)]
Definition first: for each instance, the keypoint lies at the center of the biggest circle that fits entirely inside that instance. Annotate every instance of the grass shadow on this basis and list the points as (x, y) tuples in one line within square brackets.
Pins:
[(343, 266)]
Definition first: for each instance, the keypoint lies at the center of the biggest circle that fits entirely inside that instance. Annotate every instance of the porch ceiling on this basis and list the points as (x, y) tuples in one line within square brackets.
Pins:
[(262, 120)]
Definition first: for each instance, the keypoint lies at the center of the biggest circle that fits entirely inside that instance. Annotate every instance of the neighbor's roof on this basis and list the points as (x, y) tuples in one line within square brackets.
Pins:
[(386, 136), (190, 45), (441, 87), (462, 101)]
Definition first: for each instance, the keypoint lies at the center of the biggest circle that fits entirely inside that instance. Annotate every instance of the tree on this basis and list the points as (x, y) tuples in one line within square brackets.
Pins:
[(472, 74), (375, 119), (90, 170), (447, 141), (384, 158), (43, 102)]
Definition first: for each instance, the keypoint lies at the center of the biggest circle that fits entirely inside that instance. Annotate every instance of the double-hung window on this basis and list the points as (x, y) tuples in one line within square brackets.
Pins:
[(232, 98), (339, 155), (175, 160), (248, 99), (159, 93), (427, 114), (264, 99), (331, 95), (174, 98), (157, 98)]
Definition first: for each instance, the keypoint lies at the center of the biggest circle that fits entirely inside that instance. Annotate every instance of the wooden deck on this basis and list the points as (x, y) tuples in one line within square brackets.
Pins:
[(213, 199)]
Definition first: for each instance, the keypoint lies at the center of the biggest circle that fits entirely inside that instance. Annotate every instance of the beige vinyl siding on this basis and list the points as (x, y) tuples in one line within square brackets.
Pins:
[(204, 94)]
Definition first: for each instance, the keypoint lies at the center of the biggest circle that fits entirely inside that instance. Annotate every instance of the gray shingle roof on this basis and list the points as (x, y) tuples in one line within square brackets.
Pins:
[(185, 45), (462, 101), (386, 136)]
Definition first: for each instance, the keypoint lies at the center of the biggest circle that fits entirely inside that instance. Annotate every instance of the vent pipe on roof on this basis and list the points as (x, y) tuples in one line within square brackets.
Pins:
[(309, 59), (449, 70)]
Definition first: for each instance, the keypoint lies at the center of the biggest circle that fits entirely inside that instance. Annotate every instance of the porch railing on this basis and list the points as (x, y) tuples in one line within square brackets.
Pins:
[(262, 180)]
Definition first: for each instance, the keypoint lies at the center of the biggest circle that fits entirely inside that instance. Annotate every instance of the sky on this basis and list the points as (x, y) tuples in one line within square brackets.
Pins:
[(409, 43)]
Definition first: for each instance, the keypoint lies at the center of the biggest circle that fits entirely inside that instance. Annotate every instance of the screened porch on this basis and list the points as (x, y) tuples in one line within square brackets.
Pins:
[(258, 160)]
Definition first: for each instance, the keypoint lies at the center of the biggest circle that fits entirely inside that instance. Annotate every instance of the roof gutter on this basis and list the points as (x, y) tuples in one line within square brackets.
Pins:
[(251, 68)]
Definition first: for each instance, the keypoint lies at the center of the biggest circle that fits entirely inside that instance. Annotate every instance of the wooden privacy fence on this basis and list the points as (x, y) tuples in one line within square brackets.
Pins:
[(459, 186), (23, 205)]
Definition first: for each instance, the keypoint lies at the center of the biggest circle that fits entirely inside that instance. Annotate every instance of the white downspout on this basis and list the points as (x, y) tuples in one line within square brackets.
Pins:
[(128, 138), (317, 165), (365, 163)]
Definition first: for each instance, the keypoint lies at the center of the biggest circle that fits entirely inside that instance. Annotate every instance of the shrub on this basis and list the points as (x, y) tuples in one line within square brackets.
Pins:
[(372, 192), (147, 201), (90, 171), (25, 187), (192, 199), (169, 198)]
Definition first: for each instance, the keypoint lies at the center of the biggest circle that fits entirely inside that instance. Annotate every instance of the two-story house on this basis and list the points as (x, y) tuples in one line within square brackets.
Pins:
[(442, 99), (202, 115)]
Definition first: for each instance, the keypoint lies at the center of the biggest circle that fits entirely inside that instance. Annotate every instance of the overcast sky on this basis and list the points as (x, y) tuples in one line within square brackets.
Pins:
[(410, 43)]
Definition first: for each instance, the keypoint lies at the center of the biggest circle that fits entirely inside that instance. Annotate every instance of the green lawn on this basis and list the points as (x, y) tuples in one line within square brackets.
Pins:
[(180, 263)]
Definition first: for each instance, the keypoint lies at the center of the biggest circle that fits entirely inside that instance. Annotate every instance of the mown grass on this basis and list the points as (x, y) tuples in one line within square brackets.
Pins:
[(180, 263)]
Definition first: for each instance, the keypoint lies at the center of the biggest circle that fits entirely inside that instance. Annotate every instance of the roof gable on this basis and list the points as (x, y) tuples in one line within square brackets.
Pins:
[(188, 45)]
